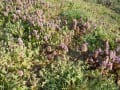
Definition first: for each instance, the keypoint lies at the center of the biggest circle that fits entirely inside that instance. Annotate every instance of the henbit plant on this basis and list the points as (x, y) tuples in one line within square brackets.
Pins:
[(44, 45)]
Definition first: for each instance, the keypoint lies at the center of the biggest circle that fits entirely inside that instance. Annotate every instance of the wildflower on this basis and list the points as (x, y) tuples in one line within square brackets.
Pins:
[(96, 53), (84, 47), (103, 64), (40, 24), (112, 54), (24, 17), (46, 38), (20, 42), (107, 59), (118, 49), (106, 52), (75, 22), (110, 66), (39, 12), (55, 53), (20, 73), (90, 60), (49, 49), (64, 47), (86, 25), (35, 32), (50, 57), (117, 59), (100, 50)]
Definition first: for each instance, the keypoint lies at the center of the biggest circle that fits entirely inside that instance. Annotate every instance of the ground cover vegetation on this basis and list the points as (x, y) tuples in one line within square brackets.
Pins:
[(59, 44)]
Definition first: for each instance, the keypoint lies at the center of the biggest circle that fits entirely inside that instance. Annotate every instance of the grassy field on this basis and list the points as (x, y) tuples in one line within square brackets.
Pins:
[(59, 45)]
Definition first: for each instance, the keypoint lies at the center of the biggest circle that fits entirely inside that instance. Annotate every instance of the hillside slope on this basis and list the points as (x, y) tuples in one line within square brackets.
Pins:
[(52, 45)]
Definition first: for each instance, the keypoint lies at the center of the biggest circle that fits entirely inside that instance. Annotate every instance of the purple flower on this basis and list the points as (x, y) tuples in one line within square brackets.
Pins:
[(84, 47), (87, 25), (110, 66), (50, 57), (46, 37), (90, 60), (49, 49), (100, 50), (117, 59), (117, 49), (104, 64), (64, 47), (112, 55), (106, 51), (24, 17), (20, 42), (35, 32), (107, 59)]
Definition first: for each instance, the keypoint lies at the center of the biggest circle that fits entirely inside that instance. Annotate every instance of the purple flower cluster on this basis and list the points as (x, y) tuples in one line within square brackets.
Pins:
[(106, 64), (106, 59), (64, 47), (35, 33), (81, 27)]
